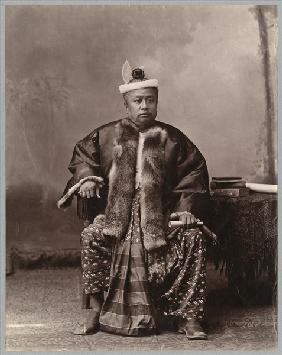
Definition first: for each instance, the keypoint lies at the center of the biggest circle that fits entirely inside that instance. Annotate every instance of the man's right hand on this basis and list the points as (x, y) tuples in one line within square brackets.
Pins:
[(89, 189)]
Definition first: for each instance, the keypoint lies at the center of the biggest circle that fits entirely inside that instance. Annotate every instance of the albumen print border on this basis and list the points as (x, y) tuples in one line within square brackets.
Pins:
[(3, 4)]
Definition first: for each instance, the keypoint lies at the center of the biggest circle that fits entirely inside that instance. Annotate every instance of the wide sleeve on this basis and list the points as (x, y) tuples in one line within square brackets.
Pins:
[(84, 166), (191, 184), (85, 160)]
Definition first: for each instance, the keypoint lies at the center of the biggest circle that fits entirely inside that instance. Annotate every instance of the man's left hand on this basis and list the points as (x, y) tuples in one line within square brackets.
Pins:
[(187, 218)]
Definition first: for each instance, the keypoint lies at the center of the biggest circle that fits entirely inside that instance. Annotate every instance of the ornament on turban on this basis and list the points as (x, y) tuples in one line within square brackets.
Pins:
[(135, 79)]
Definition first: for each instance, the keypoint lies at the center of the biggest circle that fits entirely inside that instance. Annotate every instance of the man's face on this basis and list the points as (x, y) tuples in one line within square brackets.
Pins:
[(141, 105)]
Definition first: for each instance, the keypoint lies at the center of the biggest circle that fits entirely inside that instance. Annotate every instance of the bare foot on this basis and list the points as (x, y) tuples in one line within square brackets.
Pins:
[(90, 325), (192, 329)]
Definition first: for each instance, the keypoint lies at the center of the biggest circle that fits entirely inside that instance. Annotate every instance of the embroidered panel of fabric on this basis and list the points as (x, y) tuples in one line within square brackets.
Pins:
[(139, 160)]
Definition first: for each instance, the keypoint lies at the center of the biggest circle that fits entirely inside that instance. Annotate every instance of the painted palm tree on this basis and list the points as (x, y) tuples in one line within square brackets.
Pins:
[(266, 15)]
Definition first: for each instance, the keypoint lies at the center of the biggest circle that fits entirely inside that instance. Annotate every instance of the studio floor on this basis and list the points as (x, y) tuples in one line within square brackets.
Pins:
[(42, 307)]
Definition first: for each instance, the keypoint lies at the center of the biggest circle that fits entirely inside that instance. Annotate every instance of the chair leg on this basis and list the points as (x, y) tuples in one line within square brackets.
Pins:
[(85, 301), (86, 298)]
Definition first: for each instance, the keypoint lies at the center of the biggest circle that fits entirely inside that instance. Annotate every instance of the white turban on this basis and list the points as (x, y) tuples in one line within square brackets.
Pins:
[(135, 79)]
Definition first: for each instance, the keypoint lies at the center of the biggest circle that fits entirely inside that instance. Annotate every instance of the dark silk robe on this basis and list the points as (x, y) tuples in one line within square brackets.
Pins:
[(186, 181)]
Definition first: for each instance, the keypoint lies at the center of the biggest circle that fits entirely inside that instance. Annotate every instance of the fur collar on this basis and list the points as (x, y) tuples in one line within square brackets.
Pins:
[(122, 183)]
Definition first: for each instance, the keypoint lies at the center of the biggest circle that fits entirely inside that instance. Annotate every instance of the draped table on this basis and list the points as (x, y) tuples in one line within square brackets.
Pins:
[(248, 234)]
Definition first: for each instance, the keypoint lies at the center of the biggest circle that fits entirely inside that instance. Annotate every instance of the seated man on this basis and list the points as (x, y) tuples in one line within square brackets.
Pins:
[(132, 176)]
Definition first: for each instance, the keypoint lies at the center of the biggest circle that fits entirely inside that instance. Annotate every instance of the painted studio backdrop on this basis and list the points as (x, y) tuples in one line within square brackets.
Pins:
[(217, 73)]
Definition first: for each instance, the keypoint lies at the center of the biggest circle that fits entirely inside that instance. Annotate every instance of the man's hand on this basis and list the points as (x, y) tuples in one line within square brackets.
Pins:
[(187, 218), (89, 189)]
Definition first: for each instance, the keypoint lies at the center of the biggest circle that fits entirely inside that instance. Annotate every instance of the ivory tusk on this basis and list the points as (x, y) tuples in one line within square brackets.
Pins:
[(272, 189)]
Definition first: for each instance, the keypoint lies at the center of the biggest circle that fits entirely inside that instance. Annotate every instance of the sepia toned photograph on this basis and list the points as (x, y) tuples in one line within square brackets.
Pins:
[(141, 178)]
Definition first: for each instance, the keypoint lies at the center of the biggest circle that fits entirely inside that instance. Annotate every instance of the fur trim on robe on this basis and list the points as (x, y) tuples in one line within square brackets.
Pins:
[(122, 183)]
